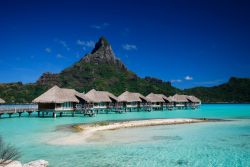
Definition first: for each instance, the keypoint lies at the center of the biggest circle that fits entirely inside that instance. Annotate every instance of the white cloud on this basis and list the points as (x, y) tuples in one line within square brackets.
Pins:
[(64, 44), (176, 80), (59, 55), (210, 82), (188, 78), (101, 26), (48, 50), (129, 47), (86, 44)]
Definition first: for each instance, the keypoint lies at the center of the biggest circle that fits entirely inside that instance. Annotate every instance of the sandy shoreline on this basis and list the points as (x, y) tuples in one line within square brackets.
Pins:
[(137, 123), (89, 130), (86, 131)]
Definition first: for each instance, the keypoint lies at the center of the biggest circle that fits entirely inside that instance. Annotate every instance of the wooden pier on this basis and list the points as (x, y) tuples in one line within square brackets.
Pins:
[(19, 111), (85, 111)]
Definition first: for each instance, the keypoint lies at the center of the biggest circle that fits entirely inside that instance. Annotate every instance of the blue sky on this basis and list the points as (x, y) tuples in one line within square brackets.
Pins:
[(191, 43)]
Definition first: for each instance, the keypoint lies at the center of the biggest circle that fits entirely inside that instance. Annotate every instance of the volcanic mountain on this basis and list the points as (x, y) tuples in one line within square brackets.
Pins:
[(102, 70)]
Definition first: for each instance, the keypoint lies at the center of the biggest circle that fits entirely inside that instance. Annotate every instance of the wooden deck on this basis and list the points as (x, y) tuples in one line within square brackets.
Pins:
[(16, 110)]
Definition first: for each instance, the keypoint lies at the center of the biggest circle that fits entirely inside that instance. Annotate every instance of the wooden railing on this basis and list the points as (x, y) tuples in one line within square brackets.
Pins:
[(17, 110)]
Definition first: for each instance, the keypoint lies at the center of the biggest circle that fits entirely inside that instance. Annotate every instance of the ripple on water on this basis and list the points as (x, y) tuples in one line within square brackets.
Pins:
[(169, 138), (180, 162), (245, 135)]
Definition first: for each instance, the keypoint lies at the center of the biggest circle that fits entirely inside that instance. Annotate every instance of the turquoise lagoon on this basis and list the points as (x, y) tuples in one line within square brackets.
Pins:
[(224, 144)]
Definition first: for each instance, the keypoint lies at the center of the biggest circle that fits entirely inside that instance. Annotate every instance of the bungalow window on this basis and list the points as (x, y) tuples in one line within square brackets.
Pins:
[(67, 105)]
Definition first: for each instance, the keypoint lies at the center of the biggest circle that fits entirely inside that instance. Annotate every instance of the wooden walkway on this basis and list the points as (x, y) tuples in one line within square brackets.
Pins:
[(10, 111), (19, 111), (16, 110)]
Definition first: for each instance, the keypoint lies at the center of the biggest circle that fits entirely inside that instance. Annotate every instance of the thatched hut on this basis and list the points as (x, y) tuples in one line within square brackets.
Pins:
[(2, 101), (169, 102), (194, 101), (132, 100), (101, 99), (157, 100), (179, 100), (58, 99)]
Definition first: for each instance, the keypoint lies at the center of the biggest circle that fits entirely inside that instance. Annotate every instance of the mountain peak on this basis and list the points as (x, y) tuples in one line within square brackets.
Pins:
[(102, 43), (103, 54)]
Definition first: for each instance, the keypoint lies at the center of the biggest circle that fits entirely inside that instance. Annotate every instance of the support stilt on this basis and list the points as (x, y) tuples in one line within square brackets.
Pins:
[(19, 114), (54, 114), (29, 113)]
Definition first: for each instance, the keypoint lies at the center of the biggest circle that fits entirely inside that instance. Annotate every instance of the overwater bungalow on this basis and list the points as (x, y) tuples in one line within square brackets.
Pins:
[(194, 102), (157, 101), (59, 99), (131, 100), (2, 101), (179, 101), (102, 99), (185, 101)]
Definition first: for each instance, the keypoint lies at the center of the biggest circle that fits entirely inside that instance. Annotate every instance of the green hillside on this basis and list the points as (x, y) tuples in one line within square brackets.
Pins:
[(236, 90)]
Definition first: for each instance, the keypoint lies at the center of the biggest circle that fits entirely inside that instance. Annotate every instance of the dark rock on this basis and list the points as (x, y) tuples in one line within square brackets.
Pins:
[(48, 78), (103, 54)]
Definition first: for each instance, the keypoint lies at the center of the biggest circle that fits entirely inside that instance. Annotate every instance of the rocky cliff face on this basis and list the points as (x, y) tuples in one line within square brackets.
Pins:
[(48, 77), (103, 54)]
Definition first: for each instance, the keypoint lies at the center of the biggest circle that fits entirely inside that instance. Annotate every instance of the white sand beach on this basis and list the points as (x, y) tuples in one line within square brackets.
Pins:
[(86, 131)]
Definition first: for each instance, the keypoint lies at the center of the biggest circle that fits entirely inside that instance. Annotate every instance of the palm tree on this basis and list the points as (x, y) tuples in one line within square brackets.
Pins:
[(8, 153)]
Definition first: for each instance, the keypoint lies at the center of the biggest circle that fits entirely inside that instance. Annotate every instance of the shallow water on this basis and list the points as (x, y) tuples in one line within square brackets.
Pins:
[(200, 144)]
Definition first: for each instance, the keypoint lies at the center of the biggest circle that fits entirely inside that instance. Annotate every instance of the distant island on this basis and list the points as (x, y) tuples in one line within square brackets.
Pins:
[(102, 70)]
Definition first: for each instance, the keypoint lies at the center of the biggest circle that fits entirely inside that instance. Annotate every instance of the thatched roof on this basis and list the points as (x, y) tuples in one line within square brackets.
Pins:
[(2, 101), (57, 95), (100, 96), (193, 99), (83, 97), (154, 98), (131, 97), (179, 98), (169, 99)]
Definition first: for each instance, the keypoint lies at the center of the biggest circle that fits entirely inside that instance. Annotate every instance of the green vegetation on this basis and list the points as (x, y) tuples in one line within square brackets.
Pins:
[(236, 90), (8, 153), (20, 93), (83, 77)]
